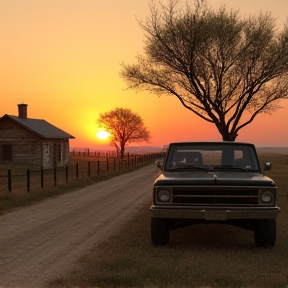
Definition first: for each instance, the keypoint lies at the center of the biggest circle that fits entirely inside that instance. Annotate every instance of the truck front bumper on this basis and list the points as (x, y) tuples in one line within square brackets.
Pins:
[(215, 213)]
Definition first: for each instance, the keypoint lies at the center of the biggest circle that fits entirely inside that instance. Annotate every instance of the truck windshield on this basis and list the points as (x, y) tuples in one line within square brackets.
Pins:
[(206, 156)]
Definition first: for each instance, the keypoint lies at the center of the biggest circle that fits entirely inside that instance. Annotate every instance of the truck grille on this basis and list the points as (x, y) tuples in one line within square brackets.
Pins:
[(215, 196)]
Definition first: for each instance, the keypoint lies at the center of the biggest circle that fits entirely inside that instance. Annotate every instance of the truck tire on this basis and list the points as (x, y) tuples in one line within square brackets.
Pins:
[(265, 233), (159, 231)]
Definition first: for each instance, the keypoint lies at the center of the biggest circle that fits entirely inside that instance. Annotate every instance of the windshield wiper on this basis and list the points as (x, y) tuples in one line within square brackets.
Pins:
[(186, 167), (233, 167)]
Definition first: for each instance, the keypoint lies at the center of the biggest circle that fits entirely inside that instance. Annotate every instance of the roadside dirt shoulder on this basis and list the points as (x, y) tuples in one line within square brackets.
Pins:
[(43, 241)]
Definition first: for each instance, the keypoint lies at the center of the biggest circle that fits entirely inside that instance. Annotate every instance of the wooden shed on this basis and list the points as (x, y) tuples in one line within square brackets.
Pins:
[(32, 141)]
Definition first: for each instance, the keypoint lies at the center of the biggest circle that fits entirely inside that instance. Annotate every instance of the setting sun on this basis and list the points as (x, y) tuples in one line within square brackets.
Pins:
[(103, 135)]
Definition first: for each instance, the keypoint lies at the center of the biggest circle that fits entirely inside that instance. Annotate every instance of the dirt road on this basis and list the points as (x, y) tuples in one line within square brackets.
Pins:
[(43, 241)]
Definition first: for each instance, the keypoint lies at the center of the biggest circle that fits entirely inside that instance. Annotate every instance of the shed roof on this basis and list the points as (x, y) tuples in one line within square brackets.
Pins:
[(39, 127)]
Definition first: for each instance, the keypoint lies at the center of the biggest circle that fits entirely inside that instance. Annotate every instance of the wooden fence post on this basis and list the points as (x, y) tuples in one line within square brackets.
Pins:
[(55, 176), (77, 172), (66, 173), (28, 180), (9, 180), (42, 178)]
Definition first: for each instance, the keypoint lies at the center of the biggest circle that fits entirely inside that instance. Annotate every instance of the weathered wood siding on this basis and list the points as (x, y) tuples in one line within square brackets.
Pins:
[(28, 147)]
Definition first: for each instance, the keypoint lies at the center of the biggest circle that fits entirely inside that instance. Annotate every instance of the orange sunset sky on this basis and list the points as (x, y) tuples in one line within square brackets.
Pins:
[(62, 58)]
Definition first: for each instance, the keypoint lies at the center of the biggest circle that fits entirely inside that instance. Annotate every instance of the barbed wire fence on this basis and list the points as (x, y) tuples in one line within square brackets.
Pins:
[(82, 166)]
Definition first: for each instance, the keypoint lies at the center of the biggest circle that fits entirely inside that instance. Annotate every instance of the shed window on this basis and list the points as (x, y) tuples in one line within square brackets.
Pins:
[(6, 152)]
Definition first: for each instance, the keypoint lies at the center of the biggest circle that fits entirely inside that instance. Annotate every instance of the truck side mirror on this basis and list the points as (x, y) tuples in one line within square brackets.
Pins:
[(159, 163), (267, 166)]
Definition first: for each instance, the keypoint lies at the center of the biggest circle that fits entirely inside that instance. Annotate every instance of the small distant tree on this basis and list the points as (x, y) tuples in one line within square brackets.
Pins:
[(225, 69), (124, 126)]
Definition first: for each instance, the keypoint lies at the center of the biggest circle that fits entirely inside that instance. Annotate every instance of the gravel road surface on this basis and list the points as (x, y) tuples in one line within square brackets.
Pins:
[(43, 241)]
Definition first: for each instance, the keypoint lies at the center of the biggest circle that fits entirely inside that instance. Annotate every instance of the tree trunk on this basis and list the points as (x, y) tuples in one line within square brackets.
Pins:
[(122, 149), (117, 150), (226, 134), (229, 136)]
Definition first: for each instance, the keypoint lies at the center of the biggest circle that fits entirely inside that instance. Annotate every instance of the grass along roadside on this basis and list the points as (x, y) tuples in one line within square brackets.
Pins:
[(198, 256)]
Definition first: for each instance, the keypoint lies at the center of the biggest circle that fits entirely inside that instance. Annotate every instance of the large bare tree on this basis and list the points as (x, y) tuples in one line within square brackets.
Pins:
[(223, 68), (124, 126)]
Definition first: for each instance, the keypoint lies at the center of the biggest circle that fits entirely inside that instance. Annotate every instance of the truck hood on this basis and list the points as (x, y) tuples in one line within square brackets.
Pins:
[(223, 178)]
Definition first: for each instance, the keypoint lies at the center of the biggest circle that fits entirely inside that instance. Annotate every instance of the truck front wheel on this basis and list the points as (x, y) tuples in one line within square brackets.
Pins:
[(159, 231), (265, 233)]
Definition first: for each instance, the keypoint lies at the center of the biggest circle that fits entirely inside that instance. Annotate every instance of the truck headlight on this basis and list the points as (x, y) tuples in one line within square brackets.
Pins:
[(267, 196), (163, 195)]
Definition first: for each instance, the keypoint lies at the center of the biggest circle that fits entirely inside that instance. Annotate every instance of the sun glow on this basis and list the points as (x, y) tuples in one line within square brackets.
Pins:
[(103, 135)]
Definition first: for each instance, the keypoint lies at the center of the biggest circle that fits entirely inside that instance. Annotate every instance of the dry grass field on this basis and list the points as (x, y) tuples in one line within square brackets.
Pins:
[(201, 256)]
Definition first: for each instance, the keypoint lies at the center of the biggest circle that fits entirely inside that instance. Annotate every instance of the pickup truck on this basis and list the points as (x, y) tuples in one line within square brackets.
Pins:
[(213, 182)]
